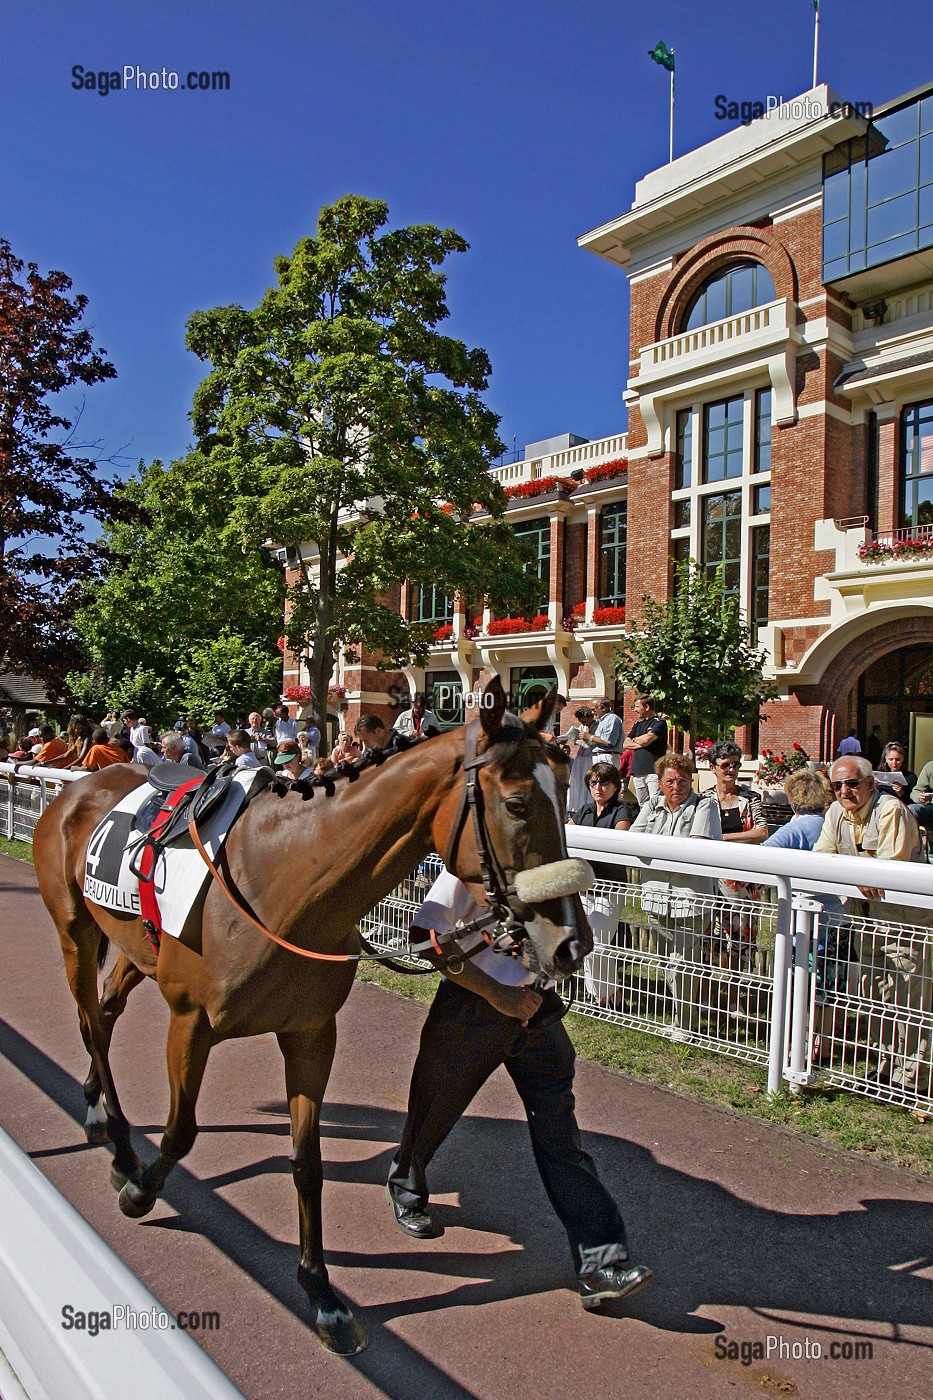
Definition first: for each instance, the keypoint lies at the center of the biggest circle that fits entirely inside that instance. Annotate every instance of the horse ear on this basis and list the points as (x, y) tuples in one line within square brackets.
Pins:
[(492, 709), (537, 717)]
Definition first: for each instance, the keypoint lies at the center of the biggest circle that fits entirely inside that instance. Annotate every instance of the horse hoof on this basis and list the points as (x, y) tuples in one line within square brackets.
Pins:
[(96, 1134), (341, 1335), (135, 1202), (118, 1178)]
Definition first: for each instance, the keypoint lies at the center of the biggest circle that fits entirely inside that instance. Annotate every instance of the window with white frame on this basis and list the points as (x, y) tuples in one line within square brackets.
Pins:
[(722, 494)]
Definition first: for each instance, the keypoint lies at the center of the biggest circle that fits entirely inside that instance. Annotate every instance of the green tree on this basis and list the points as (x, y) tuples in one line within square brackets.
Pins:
[(229, 673), (358, 437), (49, 483), (177, 578), (693, 654)]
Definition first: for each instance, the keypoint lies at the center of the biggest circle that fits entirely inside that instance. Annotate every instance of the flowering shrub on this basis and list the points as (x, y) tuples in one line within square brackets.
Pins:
[(444, 632), (877, 552), (502, 626), (774, 767), (701, 749), (527, 489), (609, 617), (605, 472)]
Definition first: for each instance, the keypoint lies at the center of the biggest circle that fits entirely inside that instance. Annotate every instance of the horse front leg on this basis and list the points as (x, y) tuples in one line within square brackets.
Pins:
[(124, 976), (308, 1058), (189, 1043), (105, 1119)]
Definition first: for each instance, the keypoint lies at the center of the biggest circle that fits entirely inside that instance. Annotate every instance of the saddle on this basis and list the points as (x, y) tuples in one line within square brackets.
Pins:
[(182, 795)]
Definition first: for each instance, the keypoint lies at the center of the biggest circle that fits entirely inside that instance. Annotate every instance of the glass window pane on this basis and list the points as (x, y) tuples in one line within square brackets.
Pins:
[(836, 196), (716, 300), (892, 173), (837, 268), (742, 291), (926, 205), (683, 474), (900, 126), (762, 500), (889, 220), (926, 159), (835, 239)]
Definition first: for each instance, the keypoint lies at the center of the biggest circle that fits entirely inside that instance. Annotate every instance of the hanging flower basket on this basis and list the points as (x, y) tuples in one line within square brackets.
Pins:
[(775, 767)]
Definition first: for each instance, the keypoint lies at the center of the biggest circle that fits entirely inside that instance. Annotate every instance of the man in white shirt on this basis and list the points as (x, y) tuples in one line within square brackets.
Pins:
[(486, 1015), (286, 728), (609, 734), (241, 749), (220, 725)]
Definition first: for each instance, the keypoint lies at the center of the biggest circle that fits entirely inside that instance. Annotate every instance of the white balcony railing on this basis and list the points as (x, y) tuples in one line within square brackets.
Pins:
[(586, 454)]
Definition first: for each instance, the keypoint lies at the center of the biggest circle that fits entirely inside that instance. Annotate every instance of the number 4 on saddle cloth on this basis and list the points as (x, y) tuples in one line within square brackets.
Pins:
[(141, 860)]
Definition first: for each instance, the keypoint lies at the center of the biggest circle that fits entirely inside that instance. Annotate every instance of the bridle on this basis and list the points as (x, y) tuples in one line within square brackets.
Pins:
[(507, 934), (510, 932)]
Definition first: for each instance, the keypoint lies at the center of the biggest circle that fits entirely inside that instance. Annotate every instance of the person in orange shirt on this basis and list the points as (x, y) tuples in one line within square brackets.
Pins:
[(103, 752), (51, 746)]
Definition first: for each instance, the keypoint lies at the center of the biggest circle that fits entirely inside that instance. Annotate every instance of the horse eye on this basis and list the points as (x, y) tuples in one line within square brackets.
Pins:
[(516, 805)]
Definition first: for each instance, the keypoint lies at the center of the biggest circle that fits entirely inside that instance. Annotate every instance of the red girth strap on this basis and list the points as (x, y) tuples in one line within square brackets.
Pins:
[(148, 904)]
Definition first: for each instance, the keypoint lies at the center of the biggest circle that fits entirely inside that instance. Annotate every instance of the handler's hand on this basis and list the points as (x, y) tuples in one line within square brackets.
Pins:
[(870, 892), (520, 1002)]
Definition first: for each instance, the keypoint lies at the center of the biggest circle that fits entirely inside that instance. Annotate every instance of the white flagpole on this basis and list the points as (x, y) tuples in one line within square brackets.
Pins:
[(816, 41), (672, 116)]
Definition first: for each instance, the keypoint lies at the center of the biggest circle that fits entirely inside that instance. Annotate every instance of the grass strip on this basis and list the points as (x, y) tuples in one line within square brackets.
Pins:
[(882, 1131), (19, 850)]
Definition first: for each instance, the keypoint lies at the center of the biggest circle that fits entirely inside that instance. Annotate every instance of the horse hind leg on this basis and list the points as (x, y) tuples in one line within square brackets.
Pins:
[(189, 1043), (308, 1058), (124, 976)]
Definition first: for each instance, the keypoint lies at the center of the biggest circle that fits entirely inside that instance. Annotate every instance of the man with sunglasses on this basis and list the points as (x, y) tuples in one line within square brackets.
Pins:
[(894, 956)]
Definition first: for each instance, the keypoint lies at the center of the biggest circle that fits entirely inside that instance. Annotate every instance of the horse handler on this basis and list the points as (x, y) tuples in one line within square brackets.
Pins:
[(484, 1016)]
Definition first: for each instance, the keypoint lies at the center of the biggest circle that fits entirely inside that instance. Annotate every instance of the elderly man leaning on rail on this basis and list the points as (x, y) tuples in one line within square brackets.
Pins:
[(894, 957)]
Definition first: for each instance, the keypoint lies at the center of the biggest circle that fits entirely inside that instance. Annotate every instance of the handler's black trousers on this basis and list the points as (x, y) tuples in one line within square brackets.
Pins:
[(463, 1042)]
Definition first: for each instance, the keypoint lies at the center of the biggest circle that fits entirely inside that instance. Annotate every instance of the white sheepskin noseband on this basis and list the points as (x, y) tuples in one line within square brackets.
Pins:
[(553, 881)]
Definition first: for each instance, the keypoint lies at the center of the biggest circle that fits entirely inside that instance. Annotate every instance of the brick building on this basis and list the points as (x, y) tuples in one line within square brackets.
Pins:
[(780, 401)]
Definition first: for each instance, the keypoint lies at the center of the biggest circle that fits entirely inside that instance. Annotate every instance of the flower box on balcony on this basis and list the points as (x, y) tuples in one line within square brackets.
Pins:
[(527, 490), (505, 626), (444, 632), (609, 617), (606, 471)]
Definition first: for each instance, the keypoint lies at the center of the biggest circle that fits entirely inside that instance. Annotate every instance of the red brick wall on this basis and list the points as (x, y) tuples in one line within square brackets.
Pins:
[(650, 482)]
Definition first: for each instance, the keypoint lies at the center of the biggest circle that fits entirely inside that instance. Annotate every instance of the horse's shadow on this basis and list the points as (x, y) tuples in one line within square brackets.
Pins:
[(711, 1248)]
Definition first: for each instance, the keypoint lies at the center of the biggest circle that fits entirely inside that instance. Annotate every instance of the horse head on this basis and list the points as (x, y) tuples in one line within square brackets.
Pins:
[(504, 834)]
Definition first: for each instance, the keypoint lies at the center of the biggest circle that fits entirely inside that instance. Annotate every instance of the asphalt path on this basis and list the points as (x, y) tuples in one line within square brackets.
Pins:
[(753, 1232)]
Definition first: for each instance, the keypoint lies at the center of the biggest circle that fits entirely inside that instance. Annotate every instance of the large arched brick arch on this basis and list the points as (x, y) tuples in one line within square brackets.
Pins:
[(860, 653), (741, 244)]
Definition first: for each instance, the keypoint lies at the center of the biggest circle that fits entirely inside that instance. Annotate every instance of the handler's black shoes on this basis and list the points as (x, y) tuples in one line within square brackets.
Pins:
[(614, 1281), (412, 1221)]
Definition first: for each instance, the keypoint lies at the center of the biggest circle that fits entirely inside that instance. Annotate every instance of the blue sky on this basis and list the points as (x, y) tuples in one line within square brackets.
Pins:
[(520, 124)]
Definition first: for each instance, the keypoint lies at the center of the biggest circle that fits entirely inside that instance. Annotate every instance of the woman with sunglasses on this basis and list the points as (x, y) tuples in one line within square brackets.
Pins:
[(604, 807), (740, 811)]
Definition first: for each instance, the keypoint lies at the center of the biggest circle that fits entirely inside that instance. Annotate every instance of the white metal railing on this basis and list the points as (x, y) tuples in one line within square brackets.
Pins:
[(51, 1260), (562, 463), (817, 994), (25, 792), (803, 977)]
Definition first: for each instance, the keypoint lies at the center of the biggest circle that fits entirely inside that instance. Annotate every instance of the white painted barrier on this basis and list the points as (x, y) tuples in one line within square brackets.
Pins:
[(50, 1259)]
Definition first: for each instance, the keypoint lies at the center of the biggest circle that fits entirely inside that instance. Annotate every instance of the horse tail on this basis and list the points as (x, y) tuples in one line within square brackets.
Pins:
[(103, 949)]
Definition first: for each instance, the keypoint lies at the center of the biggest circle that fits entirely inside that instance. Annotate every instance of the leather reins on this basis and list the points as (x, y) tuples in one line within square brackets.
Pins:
[(494, 884)]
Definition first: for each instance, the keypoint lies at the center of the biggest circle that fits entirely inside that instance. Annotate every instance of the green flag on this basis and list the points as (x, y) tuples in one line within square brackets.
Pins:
[(665, 56), (816, 5)]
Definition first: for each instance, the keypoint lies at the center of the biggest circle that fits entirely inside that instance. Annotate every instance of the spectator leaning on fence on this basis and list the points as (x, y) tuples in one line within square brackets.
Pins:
[(679, 908), (740, 811), (605, 810), (894, 956), (921, 804)]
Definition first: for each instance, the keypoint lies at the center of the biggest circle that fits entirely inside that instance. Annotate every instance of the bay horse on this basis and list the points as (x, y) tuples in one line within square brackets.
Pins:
[(308, 871)]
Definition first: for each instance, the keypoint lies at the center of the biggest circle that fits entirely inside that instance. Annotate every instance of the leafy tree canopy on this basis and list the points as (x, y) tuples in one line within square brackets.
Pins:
[(357, 436), (230, 674), (49, 489), (693, 654), (178, 578)]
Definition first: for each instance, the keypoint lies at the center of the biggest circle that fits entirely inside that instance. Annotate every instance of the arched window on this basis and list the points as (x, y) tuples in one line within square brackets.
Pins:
[(730, 292)]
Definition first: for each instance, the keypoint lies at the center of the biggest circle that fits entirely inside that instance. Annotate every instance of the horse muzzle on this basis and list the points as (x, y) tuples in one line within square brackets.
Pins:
[(558, 944)]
